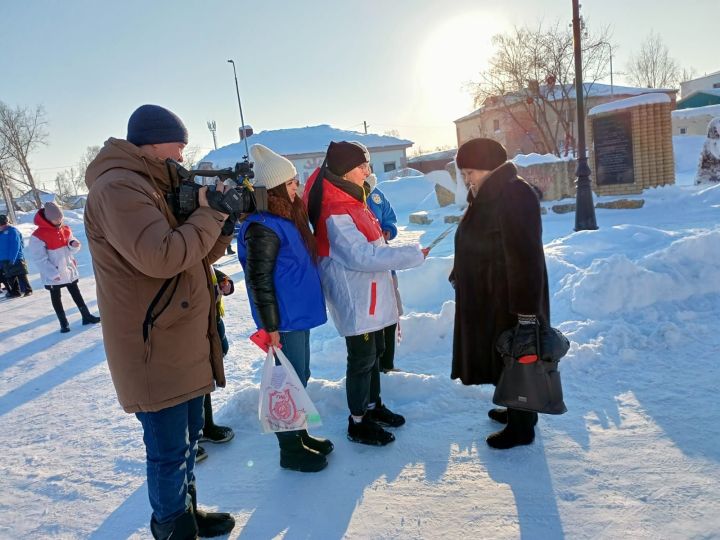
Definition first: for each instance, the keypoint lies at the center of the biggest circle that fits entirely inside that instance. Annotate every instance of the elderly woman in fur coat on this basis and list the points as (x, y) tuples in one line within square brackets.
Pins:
[(499, 276)]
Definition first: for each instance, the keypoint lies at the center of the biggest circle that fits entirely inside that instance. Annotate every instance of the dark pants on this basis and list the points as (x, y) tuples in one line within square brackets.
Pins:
[(387, 358), (57, 304), (171, 436), (362, 382), (15, 285)]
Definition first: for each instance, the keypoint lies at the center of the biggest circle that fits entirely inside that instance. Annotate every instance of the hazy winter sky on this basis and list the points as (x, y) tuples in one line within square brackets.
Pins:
[(397, 64)]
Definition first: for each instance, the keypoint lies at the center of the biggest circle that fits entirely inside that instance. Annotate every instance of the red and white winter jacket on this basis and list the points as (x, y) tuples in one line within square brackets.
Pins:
[(355, 263), (51, 251)]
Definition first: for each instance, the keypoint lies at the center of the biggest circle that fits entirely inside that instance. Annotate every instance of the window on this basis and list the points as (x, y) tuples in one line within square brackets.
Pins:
[(496, 125), (389, 166), (683, 131)]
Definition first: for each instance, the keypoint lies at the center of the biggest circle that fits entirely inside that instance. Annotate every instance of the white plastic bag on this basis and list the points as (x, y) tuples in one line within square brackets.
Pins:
[(284, 403)]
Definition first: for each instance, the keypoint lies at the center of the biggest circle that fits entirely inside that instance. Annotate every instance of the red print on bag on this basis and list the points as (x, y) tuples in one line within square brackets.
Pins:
[(282, 407)]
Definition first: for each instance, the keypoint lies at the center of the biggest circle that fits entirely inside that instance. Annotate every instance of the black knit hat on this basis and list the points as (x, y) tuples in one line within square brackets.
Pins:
[(481, 154), (344, 156), (3, 219), (152, 124)]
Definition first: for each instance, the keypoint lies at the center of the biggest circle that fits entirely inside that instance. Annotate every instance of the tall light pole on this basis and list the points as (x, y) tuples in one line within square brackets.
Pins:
[(584, 209), (242, 120), (212, 127)]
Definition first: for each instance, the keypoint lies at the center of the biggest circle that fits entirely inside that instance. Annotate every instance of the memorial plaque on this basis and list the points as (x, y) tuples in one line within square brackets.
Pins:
[(612, 139)]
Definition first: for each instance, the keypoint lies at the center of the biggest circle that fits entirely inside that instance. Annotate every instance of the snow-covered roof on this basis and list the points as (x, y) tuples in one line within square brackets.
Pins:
[(303, 140), (443, 154), (526, 160), (594, 89), (707, 91), (707, 110), (626, 103)]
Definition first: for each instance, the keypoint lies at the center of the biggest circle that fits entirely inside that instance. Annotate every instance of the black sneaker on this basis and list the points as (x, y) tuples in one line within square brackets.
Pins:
[(368, 432), (201, 454), (217, 434), (385, 417)]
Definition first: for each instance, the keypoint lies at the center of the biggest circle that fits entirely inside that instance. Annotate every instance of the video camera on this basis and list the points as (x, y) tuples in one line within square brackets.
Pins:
[(241, 197)]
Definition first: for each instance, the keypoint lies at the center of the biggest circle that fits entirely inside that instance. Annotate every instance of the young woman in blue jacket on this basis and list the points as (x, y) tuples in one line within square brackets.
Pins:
[(278, 253)]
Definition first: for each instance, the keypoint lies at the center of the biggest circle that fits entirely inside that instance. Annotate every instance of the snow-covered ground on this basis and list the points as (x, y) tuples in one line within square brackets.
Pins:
[(636, 456)]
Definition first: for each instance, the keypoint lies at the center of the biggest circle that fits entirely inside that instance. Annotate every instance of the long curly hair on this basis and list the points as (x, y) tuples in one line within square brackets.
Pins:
[(279, 203)]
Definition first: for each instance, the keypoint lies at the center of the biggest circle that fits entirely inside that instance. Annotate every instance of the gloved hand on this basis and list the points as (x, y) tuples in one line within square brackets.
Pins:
[(228, 227), (525, 339)]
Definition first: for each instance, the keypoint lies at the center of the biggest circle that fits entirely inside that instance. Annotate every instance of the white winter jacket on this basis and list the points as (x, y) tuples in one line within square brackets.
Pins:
[(57, 266)]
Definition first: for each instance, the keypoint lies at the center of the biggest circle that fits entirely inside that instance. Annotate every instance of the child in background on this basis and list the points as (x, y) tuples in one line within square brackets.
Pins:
[(224, 286), (383, 211), (53, 246)]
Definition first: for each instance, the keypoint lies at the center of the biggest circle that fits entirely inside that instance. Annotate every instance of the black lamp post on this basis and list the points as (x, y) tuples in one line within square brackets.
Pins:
[(584, 209), (237, 90)]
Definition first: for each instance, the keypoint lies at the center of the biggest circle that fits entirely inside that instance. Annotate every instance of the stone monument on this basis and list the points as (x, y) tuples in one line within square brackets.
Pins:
[(709, 166)]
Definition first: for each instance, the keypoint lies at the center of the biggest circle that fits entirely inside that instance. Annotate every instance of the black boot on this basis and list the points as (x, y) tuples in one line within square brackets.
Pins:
[(210, 524), (64, 326), (384, 416), (182, 528), (519, 431), (324, 446), (368, 432), (294, 455), (211, 431), (500, 415), (87, 317)]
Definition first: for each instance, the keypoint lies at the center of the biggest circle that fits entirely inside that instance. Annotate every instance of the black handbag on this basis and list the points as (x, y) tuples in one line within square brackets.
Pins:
[(532, 386), (18, 268)]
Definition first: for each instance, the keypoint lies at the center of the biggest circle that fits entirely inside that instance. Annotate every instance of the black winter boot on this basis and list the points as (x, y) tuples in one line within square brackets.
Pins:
[(384, 416), (183, 528), (324, 446), (210, 524), (519, 431), (211, 431), (368, 432), (64, 325), (294, 455), (87, 317), (500, 415)]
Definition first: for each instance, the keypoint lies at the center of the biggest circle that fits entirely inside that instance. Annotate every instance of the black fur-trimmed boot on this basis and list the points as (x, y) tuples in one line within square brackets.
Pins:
[(519, 431), (210, 524), (294, 455), (182, 528)]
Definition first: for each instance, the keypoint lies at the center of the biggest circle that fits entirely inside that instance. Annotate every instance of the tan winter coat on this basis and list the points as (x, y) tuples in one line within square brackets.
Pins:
[(137, 245)]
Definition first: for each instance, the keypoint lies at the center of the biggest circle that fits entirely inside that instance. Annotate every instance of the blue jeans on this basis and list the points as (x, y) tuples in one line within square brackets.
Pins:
[(296, 346), (171, 436)]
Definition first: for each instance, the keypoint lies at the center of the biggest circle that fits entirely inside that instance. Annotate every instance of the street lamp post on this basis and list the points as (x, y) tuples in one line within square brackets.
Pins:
[(584, 209), (237, 90)]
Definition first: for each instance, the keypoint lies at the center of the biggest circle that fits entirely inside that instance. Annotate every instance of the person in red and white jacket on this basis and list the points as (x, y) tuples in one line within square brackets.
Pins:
[(355, 264), (52, 247)]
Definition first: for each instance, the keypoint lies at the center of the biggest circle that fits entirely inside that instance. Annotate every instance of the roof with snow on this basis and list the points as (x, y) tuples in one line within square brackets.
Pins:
[(558, 92), (443, 154), (707, 110), (646, 99), (305, 140)]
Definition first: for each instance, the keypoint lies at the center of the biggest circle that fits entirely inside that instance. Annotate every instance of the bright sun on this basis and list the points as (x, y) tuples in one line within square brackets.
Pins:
[(453, 53)]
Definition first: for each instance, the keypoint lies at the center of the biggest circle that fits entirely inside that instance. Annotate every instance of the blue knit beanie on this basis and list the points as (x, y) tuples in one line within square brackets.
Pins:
[(152, 124)]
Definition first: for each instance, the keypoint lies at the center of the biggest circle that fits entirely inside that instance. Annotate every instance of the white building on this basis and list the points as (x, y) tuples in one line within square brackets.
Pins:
[(694, 121), (706, 82), (306, 148)]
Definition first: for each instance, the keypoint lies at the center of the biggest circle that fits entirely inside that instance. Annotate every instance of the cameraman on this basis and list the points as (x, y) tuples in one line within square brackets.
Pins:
[(156, 298)]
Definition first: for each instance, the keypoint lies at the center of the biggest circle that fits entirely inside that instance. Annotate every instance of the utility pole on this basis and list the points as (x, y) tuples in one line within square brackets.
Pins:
[(243, 135), (584, 209), (365, 126), (212, 127)]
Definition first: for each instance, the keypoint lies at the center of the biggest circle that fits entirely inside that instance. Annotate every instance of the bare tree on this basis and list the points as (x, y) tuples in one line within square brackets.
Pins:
[(652, 66), (22, 131), (531, 79)]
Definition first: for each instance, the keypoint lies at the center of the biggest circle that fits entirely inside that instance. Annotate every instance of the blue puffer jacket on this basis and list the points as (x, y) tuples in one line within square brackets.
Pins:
[(383, 210), (298, 296), (11, 245)]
